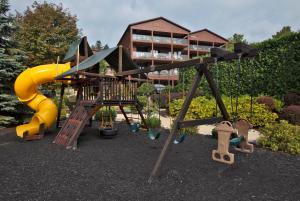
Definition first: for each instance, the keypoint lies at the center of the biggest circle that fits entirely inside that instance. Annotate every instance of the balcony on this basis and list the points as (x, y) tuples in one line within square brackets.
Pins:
[(160, 56), (180, 41), (139, 37), (200, 48), (143, 55), (159, 39)]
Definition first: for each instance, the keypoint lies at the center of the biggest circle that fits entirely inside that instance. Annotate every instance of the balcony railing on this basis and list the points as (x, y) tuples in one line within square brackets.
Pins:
[(159, 39), (146, 55), (180, 41), (141, 37), (200, 47), (161, 56)]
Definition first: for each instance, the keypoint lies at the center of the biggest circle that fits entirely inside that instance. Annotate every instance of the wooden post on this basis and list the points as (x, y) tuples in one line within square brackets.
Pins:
[(215, 92), (62, 91), (142, 116), (124, 114), (179, 118), (120, 59)]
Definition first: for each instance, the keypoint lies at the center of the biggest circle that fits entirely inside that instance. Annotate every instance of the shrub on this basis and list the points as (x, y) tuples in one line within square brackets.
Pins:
[(105, 114), (164, 98), (292, 98), (292, 114), (190, 130), (202, 107), (146, 89), (153, 122), (281, 136), (267, 101)]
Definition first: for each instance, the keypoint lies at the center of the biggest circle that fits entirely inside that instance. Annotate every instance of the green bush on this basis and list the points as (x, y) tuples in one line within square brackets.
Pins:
[(281, 136), (190, 130), (146, 89), (153, 122), (202, 107), (150, 109), (105, 114)]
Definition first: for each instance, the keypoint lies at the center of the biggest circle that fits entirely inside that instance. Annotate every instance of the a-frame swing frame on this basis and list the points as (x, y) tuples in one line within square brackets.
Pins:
[(217, 54), (201, 70)]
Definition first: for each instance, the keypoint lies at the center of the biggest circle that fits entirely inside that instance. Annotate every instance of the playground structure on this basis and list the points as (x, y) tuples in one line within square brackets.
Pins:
[(95, 91)]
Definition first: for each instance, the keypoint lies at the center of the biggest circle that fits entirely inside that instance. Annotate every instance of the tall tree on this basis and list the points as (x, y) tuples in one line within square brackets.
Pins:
[(98, 46), (10, 67), (46, 31)]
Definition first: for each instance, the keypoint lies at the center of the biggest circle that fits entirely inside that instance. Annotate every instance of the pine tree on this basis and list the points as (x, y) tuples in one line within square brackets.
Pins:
[(10, 67)]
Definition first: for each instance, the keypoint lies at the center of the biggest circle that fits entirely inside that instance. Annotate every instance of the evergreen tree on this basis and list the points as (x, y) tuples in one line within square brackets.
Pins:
[(10, 67)]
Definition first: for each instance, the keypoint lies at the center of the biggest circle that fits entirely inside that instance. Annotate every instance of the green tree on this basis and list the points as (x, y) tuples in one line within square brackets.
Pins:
[(45, 32), (10, 67), (98, 46), (238, 38), (286, 30)]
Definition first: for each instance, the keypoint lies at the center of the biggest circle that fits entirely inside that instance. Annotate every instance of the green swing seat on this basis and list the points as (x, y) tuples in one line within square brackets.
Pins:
[(153, 135), (181, 138)]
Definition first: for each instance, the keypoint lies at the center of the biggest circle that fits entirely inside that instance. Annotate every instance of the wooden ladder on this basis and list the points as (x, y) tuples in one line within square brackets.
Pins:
[(74, 125)]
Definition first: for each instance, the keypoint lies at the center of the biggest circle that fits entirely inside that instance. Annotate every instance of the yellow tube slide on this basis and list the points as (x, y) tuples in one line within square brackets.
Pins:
[(26, 89)]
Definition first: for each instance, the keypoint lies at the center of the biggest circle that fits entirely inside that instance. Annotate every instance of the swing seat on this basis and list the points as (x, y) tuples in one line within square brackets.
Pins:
[(134, 127), (108, 132), (180, 139), (153, 135), (236, 141)]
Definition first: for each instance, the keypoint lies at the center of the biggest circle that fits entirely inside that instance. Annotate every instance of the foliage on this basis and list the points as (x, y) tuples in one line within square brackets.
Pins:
[(10, 66), (202, 107), (98, 46), (104, 114), (6, 121), (45, 32), (267, 101), (189, 130), (153, 122), (146, 89), (286, 30), (274, 72), (162, 99), (281, 136), (148, 107), (292, 114), (292, 98)]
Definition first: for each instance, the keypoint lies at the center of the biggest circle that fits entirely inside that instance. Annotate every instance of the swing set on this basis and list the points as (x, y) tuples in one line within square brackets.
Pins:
[(225, 128)]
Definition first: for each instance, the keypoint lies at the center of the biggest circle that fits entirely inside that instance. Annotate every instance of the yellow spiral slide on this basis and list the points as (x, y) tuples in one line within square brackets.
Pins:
[(26, 89)]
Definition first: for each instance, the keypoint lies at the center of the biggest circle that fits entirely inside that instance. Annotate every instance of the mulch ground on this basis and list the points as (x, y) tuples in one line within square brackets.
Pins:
[(118, 169)]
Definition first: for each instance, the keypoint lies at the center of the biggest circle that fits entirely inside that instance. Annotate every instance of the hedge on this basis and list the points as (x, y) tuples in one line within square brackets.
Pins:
[(274, 72)]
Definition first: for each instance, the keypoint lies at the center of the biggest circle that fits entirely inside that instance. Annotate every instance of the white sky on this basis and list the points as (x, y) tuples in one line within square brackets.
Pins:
[(106, 20)]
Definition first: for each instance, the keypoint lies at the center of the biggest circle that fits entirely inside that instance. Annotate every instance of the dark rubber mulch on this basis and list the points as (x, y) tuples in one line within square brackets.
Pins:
[(118, 169)]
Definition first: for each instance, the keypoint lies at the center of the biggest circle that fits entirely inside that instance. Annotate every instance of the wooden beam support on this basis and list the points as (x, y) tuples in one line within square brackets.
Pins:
[(62, 91), (179, 118), (120, 69), (215, 92), (197, 122), (124, 114)]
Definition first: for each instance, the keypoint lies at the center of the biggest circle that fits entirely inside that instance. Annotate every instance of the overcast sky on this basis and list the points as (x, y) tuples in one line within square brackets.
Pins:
[(106, 20)]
